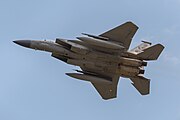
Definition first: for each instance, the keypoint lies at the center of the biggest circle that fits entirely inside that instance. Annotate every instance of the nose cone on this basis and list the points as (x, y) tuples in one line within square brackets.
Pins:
[(24, 43)]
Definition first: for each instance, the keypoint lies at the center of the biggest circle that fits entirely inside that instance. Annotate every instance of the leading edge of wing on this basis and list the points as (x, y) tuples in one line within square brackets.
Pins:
[(122, 34)]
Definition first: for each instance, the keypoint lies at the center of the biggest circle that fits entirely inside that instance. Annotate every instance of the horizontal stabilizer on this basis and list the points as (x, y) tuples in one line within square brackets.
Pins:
[(141, 84), (151, 53)]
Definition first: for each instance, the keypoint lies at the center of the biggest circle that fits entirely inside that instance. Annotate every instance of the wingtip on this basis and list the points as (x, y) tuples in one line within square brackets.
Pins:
[(132, 23), (161, 45)]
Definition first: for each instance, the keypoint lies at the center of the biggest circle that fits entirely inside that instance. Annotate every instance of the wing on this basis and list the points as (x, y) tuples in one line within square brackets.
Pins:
[(122, 34), (107, 91)]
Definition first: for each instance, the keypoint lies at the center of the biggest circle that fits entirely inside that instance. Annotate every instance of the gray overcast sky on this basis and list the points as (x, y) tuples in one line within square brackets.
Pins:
[(33, 85)]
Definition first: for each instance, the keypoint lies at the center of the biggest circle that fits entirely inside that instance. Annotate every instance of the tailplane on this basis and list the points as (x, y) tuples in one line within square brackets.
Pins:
[(151, 53), (142, 84)]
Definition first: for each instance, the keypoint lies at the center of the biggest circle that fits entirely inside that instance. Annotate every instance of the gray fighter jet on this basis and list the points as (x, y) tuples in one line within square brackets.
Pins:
[(104, 58)]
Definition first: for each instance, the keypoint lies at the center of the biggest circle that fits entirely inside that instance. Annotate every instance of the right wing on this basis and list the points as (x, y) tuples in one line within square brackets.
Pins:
[(122, 34), (107, 91)]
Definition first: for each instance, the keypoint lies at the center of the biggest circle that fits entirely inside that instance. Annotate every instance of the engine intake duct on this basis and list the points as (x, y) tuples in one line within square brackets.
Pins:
[(60, 57), (63, 43), (144, 63)]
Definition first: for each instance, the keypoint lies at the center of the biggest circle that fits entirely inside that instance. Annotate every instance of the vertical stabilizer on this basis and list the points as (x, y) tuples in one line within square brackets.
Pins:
[(141, 47)]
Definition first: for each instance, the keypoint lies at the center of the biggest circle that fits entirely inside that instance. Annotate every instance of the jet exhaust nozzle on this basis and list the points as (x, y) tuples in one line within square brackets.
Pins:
[(144, 63), (141, 71)]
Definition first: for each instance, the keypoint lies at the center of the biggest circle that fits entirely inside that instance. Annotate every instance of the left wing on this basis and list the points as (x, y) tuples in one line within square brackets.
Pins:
[(122, 34)]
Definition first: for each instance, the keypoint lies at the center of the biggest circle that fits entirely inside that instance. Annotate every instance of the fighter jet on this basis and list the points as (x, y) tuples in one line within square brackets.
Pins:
[(104, 58)]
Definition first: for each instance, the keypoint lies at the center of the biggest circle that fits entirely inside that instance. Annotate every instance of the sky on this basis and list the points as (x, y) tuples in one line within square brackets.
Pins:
[(33, 85)]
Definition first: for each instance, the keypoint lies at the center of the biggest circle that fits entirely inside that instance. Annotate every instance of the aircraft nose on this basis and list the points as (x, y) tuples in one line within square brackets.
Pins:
[(24, 43)]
